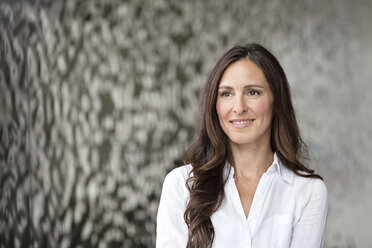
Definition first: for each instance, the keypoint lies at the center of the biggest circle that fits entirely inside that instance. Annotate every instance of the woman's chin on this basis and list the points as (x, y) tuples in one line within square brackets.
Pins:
[(241, 142)]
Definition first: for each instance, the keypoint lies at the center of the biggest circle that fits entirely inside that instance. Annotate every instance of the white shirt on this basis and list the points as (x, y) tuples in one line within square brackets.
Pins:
[(287, 211)]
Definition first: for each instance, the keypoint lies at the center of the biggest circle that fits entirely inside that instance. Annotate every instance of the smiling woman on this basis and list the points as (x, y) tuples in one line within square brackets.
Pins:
[(245, 183), (245, 100)]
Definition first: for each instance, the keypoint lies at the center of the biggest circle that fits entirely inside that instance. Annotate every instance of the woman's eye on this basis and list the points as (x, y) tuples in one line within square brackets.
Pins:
[(226, 93), (253, 93)]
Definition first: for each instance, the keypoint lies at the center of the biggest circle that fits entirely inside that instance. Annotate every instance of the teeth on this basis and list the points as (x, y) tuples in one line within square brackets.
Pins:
[(242, 122)]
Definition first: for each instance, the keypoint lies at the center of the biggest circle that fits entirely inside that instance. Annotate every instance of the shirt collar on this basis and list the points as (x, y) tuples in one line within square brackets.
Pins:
[(276, 167), (285, 173)]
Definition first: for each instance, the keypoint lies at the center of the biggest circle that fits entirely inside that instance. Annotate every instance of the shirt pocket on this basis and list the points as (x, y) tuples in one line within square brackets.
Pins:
[(282, 231)]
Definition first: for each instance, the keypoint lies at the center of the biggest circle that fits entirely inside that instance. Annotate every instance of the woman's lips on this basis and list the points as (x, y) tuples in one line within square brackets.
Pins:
[(241, 123)]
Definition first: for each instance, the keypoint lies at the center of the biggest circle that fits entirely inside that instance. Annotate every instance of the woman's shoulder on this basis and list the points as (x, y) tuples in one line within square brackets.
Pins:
[(176, 178), (179, 173), (309, 185), (302, 182)]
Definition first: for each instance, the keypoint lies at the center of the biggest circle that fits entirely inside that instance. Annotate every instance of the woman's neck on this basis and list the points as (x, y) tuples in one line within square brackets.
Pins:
[(251, 162)]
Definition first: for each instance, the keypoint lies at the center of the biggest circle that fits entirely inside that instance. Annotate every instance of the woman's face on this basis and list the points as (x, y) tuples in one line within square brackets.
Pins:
[(245, 104)]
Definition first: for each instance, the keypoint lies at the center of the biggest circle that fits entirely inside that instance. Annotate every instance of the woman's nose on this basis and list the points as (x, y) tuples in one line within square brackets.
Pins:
[(239, 105)]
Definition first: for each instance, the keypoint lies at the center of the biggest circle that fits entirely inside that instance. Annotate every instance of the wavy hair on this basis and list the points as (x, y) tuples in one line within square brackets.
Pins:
[(210, 151)]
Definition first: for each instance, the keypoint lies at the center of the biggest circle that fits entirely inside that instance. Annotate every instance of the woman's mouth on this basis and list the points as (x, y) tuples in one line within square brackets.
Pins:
[(241, 123)]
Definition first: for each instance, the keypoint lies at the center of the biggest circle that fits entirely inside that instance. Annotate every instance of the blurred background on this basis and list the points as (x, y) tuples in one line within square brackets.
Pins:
[(98, 102)]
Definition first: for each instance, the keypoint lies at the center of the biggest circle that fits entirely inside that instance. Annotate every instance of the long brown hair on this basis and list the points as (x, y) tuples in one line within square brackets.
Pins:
[(211, 150)]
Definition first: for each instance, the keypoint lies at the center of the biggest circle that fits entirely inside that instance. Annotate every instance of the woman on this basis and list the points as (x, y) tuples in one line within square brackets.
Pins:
[(245, 184)]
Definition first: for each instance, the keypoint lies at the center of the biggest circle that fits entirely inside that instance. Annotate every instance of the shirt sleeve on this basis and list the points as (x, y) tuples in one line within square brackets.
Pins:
[(310, 229), (171, 229)]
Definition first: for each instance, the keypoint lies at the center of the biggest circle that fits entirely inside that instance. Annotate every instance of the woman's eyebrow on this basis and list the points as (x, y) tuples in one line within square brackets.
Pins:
[(246, 86), (224, 87), (253, 86)]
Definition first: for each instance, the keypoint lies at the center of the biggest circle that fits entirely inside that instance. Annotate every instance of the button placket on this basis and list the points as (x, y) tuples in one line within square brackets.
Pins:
[(247, 238), (257, 203)]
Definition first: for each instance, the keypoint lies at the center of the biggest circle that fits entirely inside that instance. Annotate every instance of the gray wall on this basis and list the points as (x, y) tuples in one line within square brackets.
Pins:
[(98, 102)]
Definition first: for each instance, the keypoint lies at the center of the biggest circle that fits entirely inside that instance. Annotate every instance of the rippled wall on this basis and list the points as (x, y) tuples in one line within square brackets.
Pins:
[(98, 102)]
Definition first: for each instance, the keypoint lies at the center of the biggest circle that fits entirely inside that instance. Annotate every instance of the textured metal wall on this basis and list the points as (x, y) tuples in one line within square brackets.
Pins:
[(98, 102)]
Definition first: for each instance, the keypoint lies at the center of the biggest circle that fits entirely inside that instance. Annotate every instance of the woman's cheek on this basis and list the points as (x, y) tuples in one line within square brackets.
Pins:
[(263, 108), (222, 108)]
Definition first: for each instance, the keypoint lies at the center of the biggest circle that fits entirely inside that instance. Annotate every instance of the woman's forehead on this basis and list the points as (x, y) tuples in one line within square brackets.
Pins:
[(243, 73)]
